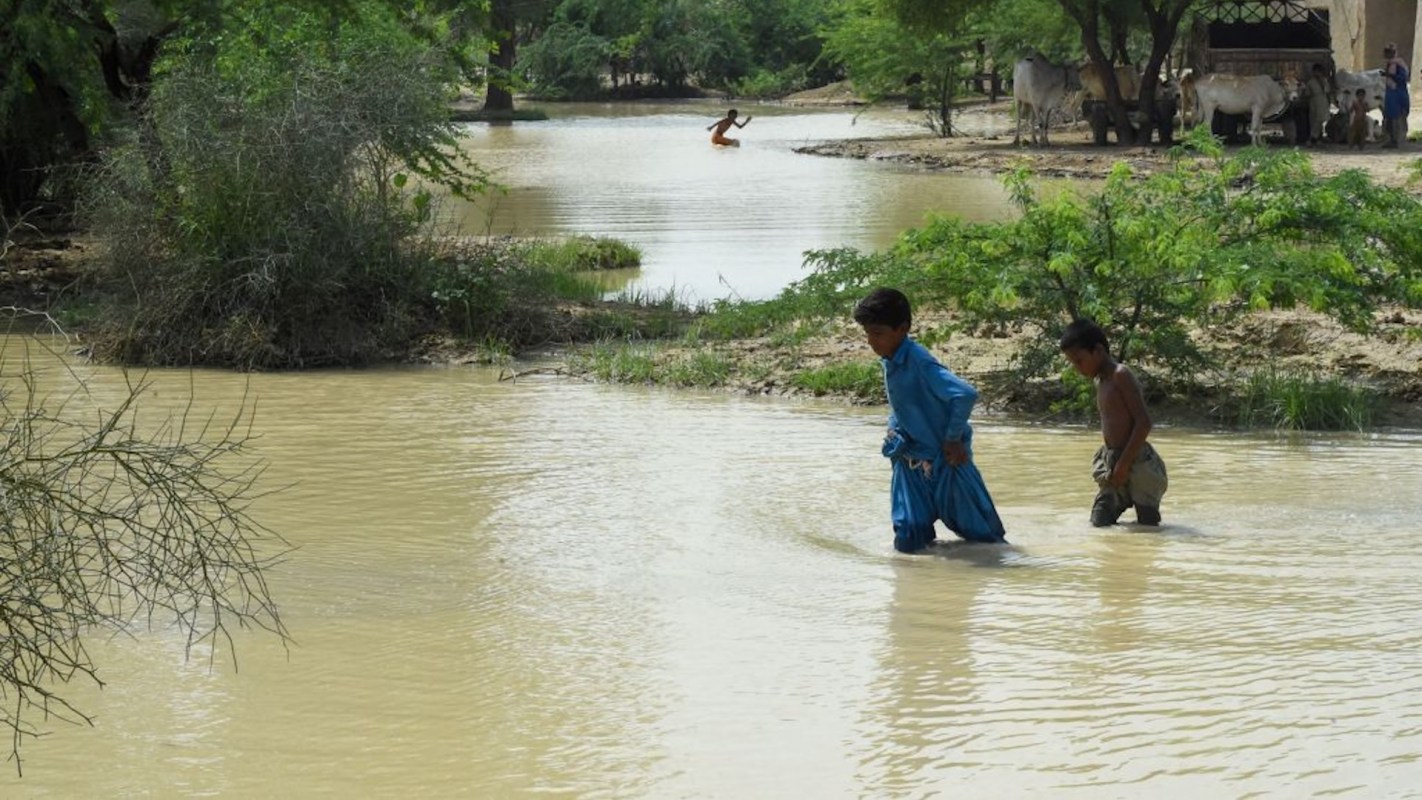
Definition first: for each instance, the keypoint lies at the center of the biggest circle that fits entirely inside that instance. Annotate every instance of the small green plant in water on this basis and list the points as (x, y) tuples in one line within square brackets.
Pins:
[(618, 363), (1303, 401), (585, 253)]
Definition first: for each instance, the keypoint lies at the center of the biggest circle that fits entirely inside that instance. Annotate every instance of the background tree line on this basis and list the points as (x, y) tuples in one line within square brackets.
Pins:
[(583, 49), (76, 74)]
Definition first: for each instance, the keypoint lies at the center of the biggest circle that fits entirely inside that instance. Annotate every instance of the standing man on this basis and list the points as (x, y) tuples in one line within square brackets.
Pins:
[(1319, 103), (1396, 104)]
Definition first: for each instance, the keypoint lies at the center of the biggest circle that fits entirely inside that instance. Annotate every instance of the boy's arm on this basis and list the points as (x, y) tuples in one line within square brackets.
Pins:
[(742, 123), (959, 396), (1133, 403)]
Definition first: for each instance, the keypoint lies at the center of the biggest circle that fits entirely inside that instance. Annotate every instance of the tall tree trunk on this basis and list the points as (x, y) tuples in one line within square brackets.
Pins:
[(1164, 21), (1088, 16), (499, 97)]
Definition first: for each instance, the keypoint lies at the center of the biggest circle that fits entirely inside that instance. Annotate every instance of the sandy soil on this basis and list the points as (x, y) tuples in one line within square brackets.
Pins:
[(988, 149)]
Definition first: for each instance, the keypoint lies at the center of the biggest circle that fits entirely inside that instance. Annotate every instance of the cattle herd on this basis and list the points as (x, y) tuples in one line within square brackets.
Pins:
[(1041, 89)]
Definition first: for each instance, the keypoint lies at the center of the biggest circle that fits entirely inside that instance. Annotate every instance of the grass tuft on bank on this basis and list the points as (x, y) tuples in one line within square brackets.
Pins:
[(856, 379), (584, 253), (1286, 400), (651, 364)]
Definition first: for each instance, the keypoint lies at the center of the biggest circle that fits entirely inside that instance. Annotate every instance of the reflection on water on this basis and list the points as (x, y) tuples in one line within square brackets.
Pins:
[(712, 222), (544, 587)]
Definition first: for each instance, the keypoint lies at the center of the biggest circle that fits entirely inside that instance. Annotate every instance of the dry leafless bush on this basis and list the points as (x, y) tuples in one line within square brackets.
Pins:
[(110, 523)]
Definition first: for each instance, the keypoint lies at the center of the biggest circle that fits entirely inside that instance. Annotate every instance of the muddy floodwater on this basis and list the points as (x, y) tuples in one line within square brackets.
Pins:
[(711, 221), (558, 589)]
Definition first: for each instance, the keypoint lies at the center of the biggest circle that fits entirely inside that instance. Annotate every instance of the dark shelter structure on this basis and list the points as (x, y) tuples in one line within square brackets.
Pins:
[(1279, 38)]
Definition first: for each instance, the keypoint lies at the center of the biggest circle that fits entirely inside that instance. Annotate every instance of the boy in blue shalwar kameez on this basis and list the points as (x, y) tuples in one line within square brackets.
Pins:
[(929, 442)]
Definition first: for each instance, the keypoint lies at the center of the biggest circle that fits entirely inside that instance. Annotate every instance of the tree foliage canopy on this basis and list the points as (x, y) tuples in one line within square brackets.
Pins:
[(76, 73)]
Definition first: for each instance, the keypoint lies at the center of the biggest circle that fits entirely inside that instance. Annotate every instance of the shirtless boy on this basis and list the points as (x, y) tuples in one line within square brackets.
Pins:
[(1127, 469), (724, 124)]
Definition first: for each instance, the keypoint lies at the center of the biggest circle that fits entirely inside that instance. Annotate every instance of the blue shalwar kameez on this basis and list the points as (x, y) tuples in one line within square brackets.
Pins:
[(929, 405)]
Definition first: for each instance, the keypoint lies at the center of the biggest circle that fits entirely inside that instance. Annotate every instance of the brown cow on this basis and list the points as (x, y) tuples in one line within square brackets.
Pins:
[(1093, 82)]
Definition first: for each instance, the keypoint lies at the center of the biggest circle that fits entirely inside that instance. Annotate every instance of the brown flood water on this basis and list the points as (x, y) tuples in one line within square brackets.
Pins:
[(558, 589), (711, 221)]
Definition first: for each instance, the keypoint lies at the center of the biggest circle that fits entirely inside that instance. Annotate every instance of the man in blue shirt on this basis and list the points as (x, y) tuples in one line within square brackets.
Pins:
[(929, 442)]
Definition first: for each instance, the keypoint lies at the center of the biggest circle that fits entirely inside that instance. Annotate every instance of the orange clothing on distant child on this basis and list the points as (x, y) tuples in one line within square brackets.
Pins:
[(718, 136)]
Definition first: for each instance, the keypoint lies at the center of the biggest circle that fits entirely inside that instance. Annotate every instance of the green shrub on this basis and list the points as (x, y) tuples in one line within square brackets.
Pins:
[(618, 363), (700, 369), (863, 380), (1302, 401), (265, 216), (768, 83), (585, 253), (1152, 259), (565, 63)]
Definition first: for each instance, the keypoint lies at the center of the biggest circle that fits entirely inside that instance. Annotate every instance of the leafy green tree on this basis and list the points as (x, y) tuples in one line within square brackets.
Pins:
[(269, 221), (618, 22), (878, 51), (1009, 29), (886, 54), (682, 39), (783, 33), (1105, 27), (74, 71), (566, 62)]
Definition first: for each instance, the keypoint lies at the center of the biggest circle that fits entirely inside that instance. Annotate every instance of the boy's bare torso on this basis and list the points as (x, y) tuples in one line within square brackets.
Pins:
[(1112, 402)]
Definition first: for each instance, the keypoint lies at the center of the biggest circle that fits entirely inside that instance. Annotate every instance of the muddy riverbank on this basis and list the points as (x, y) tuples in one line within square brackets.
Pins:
[(1388, 362), (987, 148)]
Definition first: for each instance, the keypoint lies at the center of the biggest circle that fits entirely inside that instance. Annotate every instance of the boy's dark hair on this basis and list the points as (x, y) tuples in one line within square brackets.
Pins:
[(884, 307), (1083, 334), (1362, 93), (732, 111)]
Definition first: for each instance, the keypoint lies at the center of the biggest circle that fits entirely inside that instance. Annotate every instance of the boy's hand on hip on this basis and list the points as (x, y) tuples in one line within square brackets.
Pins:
[(1120, 474), (955, 453)]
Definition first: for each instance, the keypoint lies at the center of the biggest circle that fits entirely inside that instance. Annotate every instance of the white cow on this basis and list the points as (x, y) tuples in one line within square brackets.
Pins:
[(1348, 83), (1039, 88), (1259, 96)]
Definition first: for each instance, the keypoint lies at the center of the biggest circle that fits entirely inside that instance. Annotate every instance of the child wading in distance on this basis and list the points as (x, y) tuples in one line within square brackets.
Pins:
[(1127, 468), (929, 442), (720, 126)]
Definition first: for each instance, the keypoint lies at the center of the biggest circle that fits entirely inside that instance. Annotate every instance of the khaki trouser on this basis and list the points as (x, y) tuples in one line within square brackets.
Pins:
[(1143, 489)]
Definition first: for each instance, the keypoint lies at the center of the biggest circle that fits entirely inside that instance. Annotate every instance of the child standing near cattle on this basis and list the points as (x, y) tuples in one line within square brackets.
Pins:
[(1358, 119)]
